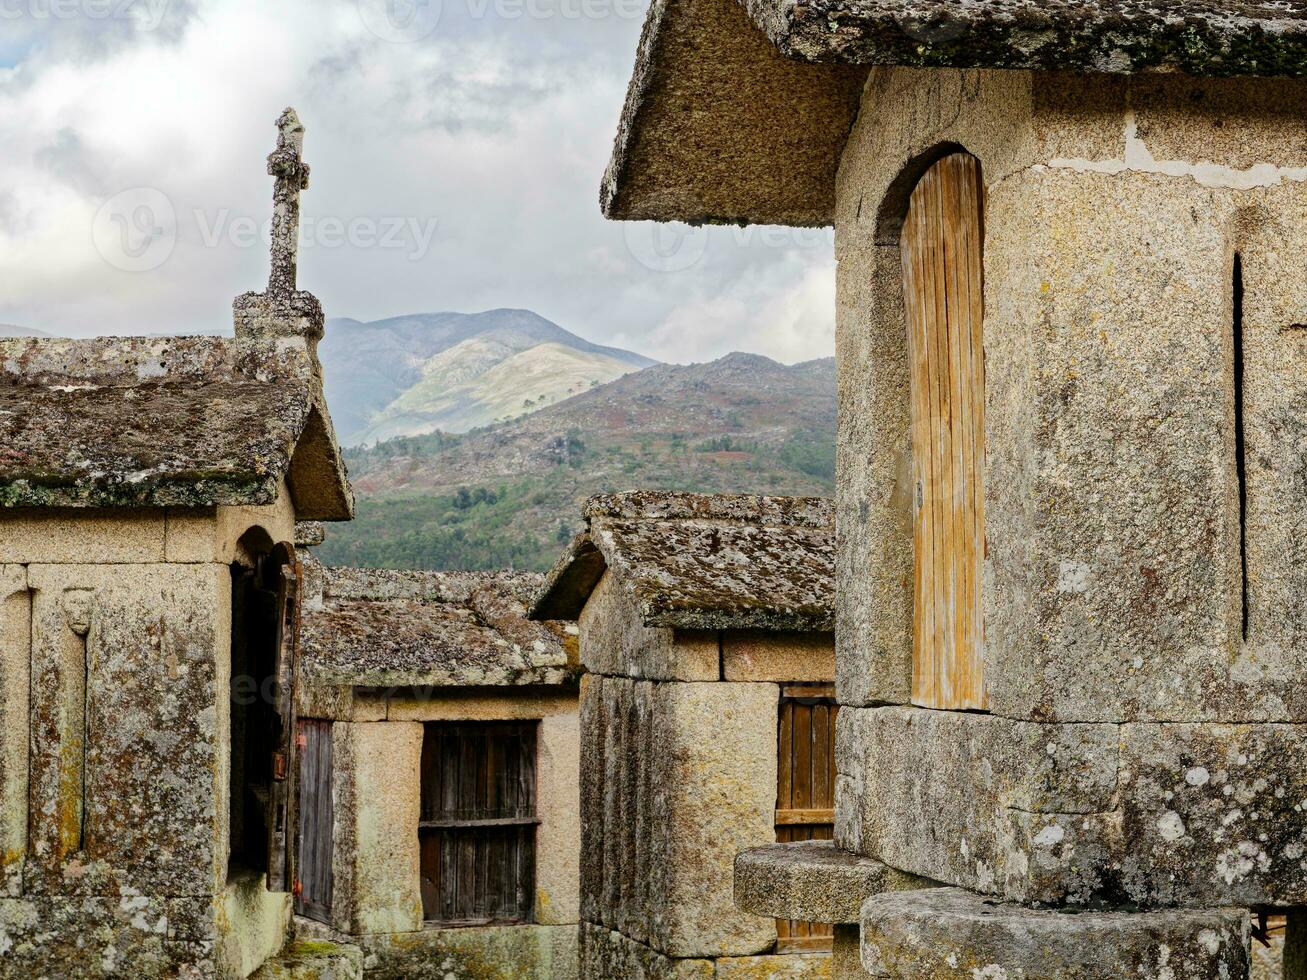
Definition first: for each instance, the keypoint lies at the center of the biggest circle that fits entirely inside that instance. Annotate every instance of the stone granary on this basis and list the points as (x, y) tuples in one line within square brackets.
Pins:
[(149, 489), (438, 780), (1071, 612), (706, 724)]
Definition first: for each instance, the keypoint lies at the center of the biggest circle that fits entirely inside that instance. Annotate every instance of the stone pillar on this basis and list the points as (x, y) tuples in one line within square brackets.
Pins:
[(377, 860), (15, 673), (676, 777), (558, 838)]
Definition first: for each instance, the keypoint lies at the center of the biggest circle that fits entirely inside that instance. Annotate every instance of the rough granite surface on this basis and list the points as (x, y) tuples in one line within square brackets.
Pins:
[(313, 960), (1199, 37), (476, 953), (1099, 816), (707, 562), (380, 628), (146, 938), (676, 778), (812, 881), (947, 933), (606, 954), (1113, 575), (142, 421)]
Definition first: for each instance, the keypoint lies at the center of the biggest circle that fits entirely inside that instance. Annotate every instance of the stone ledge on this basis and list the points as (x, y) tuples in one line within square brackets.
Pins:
[(952, 934), (812, 881), (309, 959)]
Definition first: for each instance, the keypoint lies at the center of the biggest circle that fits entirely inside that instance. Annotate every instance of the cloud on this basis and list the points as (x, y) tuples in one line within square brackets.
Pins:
[(483, 143)]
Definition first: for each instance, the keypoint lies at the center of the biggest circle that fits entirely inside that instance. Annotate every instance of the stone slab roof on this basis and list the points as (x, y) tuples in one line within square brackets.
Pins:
[(365, 627), (738, 111), (703, 561), (165, 422)]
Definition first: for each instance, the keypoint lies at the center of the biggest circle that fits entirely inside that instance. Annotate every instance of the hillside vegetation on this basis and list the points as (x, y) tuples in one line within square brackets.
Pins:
[(510, 495), (454, 372)]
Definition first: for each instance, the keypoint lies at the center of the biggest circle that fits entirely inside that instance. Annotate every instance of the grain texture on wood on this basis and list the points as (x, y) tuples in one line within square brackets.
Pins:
[(805, 790), (943, 292), (478, 821), (315, 819)]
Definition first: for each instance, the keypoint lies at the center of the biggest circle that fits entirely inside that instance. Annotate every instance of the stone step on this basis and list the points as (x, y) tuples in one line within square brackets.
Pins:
[(313, 959), (812, 881), (952, 934)]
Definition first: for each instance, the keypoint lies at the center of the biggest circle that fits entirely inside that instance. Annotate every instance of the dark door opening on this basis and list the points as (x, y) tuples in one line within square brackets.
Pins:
[(263, 623)]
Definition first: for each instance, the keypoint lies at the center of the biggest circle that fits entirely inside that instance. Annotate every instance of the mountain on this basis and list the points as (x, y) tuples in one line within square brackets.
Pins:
[(511, 494), (9, 330), (454, 372)]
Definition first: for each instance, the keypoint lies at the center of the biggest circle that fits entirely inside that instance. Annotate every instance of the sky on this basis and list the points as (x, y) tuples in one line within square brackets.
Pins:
[(456, 149)]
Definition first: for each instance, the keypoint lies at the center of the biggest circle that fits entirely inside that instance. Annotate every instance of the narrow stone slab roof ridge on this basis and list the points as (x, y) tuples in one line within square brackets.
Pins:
[(703, 561)]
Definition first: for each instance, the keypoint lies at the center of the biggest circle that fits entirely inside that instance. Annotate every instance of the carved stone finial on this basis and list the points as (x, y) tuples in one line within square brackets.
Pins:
[(284, 310)]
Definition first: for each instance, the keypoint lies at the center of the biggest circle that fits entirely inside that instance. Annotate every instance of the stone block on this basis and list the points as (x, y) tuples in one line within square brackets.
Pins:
[(687, 777), (873, 491), (785, 966), (605, 955), (313, 960), (127, 791), (62, 536), (1109, 313), (812, 881), (558, 837), (947, 933), (376, 859), (1142, 814), (507, 704), (593, 766), (712, 788), (132, 936), (1268, 959), (212, 533), (1010, 808), (757, 656), (15, 678), (993, 787), (1214, 812), (478, 953), (616, 642), (253, 923)]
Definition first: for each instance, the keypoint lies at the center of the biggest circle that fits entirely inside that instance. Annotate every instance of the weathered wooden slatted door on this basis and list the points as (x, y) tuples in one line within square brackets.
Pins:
[(281, 863), (478, 822), (805, 791), (313, 894), (943, 291)]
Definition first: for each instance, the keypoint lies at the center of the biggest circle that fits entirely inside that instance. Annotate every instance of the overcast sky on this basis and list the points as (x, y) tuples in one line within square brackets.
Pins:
[(456, 147)]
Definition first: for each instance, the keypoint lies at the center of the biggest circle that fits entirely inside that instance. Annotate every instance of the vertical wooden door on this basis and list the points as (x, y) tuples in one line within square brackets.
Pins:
[(805, 792), (943, 292), (313, 897)]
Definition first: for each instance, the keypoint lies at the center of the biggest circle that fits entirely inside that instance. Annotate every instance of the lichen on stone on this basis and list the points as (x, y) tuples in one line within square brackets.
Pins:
[(381, 628), (150, 421), (704, 561)]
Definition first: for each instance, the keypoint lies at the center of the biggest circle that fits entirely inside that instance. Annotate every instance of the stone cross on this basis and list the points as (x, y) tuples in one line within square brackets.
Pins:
[(292, 173)]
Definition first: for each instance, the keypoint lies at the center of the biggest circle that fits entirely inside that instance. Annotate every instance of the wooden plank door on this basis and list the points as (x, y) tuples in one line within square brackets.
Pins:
[(943, 292), (478, 822), (316, 820), (805, 791)]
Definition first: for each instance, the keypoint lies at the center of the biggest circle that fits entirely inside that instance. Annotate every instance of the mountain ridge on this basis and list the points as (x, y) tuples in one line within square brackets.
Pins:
[(370, 366), (509, 495)]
